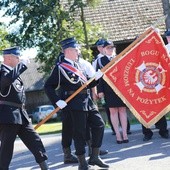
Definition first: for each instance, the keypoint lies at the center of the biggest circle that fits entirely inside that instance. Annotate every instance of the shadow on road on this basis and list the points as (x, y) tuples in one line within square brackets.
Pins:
[(135, 153)]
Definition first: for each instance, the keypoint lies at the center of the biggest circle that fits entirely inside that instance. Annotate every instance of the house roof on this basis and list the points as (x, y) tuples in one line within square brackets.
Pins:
[(32, 78), (123, 20)]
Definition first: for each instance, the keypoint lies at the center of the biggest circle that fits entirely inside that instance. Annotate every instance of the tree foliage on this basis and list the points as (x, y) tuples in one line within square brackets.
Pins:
[(3, 33), (44, 23)]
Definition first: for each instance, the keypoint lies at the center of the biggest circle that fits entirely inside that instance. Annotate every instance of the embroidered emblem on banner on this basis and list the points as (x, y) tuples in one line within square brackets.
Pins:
[(141, 78), (150, 77)]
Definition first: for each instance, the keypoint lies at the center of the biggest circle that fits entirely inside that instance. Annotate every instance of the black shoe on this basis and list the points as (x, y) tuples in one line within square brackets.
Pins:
[(83, 165), (147, 138), (119, 141), (103, 152), (71, 159), (129, 132), (126, 141), (165, 135), (96, 160)]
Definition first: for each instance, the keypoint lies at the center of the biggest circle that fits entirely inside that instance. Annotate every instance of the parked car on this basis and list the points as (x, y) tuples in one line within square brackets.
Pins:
[(42, 111)]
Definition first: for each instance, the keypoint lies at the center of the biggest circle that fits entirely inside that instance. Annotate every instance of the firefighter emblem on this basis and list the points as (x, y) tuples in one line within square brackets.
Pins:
[(150, 77)]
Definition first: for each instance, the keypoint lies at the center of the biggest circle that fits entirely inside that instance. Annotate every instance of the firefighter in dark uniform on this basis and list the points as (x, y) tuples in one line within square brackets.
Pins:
[(14, 119), (66, 117), (66, 139), (68, 76)]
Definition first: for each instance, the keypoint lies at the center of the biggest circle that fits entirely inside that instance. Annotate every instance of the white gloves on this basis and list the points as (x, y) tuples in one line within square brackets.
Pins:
[(61, 104), (98, 74), (25, 60)]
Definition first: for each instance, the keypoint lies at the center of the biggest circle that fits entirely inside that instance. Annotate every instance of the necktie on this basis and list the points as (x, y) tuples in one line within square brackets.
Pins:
[(111, 58), (76, 65)]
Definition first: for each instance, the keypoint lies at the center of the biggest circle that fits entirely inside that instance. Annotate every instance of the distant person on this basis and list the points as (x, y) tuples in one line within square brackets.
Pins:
[(99, 45), (90, 72), (116, 106), (14, 119)]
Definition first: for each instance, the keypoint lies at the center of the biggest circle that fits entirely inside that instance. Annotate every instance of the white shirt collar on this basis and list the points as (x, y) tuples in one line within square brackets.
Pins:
[(10, 68), (100, 55), (113, 56), (70, 61)]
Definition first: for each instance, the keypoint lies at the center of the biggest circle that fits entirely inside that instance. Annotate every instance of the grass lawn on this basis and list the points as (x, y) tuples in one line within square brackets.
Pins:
[(49, 128), (55, 127)]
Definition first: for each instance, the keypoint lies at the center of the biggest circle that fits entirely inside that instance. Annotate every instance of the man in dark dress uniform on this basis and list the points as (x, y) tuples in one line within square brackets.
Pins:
[(66, 117), (66, 123), (68, 76), (14, 119)]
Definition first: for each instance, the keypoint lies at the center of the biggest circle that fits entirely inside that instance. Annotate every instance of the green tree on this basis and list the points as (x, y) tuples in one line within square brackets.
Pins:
[(3, 33), (44, 23), (80, 4)]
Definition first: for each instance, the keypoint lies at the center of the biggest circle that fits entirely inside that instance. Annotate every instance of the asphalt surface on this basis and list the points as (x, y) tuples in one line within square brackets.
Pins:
[(135, 155)]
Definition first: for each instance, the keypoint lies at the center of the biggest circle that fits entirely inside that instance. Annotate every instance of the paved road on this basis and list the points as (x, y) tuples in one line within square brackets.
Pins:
[(135, 155)]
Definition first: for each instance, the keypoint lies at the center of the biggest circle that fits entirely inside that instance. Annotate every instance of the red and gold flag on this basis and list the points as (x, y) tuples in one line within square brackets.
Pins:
[(141, 78)]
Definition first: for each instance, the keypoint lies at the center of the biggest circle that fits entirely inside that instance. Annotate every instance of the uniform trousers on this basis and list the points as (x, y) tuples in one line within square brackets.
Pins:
[(26, 132), (161, 125), (77, 126), (67, 134), (67, 129)]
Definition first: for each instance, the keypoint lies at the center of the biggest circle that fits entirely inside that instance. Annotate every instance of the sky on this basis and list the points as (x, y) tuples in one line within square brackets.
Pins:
[(30, 53), (4, 19)]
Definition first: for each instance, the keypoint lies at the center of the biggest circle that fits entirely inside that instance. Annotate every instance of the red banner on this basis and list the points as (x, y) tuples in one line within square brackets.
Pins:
[(141, 78)]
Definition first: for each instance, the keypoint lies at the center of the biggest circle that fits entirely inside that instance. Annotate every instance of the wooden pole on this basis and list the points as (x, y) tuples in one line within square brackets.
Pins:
[(67, 100), (103, 70)]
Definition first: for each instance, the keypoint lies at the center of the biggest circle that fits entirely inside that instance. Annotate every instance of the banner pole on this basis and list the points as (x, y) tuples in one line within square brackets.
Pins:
[(67, 100), (89, 81)]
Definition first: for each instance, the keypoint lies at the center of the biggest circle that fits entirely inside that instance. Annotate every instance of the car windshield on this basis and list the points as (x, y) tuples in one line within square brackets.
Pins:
[(37, 110), (46, 108)]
